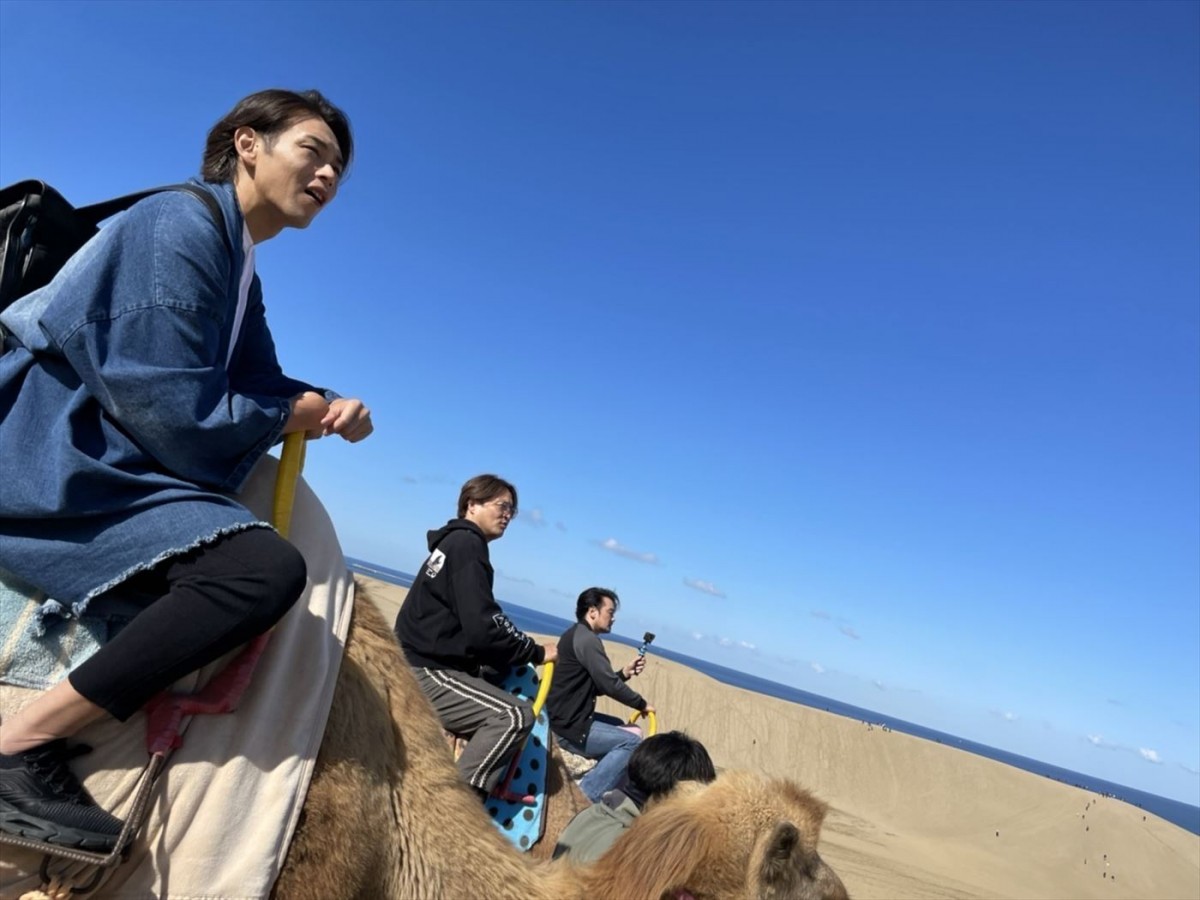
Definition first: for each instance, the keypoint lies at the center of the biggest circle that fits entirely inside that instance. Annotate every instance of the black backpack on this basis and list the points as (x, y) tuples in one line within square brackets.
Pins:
[(40, 231)]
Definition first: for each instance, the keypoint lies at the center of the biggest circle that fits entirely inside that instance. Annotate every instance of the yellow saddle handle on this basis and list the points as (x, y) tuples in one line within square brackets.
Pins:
[(543, 689), (652, 721), (291, 462)]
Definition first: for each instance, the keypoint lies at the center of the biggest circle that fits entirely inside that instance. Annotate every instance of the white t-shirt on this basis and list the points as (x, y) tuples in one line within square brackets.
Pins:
[(243, 291)]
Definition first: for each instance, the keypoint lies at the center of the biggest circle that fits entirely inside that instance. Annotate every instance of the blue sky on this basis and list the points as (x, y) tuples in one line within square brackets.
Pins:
[(857, 346)]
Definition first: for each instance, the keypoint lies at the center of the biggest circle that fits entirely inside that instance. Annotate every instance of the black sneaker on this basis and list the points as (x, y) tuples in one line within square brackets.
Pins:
[(41, 799)]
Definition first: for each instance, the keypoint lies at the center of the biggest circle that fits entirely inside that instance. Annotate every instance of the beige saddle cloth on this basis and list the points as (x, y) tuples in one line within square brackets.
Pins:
[(226, 806)]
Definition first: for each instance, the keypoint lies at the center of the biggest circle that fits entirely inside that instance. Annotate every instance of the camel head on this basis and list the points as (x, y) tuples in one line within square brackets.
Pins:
[(743, 837)]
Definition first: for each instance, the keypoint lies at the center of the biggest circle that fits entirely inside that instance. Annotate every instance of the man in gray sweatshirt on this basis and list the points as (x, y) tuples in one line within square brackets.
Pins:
[(583, 673), (657, 765)]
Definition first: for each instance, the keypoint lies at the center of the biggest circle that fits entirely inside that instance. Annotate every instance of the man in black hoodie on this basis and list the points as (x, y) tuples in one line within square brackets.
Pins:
[(452, 630)]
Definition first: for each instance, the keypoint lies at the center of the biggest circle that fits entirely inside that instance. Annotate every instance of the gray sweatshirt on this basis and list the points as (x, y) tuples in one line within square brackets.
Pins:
[(582, 673)]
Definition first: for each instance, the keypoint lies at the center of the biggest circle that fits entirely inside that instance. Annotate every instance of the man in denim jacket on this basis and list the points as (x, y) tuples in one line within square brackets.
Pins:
[(137, 391)]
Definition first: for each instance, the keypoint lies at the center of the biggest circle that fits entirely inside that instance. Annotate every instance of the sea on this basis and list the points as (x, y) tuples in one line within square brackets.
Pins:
[(1182, 814)]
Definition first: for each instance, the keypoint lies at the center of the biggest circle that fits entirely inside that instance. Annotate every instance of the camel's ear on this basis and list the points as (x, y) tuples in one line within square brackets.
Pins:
[(656, 856), (789, 870), (777, 870)]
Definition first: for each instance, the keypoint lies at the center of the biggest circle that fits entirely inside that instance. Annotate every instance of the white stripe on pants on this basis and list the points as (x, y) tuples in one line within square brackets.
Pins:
[(495, 721)]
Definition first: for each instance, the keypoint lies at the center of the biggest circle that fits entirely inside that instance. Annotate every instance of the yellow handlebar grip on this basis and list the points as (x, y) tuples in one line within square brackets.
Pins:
[(543, 689), (291, 462), (652, 721)]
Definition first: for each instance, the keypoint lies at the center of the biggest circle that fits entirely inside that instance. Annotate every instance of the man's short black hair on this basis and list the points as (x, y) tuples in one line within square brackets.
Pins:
[(270, 113), (484, 489), (593, 598), (663, 760)]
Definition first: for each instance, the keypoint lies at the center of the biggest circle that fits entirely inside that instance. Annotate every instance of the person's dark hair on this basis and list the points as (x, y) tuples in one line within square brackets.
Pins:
[(483, 488), (593, 598), (269, 113), (663, 760)]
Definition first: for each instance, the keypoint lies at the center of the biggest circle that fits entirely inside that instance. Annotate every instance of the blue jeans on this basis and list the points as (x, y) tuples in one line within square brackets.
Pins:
[(612, 745)]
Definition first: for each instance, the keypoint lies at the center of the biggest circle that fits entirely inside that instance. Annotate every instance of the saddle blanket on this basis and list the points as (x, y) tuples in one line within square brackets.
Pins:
[(227, 803)]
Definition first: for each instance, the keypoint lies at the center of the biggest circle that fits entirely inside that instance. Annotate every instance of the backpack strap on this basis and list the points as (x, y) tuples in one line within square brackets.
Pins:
[(98, 212)]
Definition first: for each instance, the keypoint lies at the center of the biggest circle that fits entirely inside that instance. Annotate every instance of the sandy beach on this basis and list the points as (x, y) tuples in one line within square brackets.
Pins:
[(910, 818)]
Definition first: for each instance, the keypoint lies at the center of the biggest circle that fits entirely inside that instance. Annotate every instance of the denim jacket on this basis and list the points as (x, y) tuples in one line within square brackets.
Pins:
[(123, 430)]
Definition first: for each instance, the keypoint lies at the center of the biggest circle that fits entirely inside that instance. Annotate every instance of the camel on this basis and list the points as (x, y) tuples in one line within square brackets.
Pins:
[(387, 816)]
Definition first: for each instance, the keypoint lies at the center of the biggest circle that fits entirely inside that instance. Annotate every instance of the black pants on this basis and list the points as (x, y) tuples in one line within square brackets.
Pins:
[(192, 609)]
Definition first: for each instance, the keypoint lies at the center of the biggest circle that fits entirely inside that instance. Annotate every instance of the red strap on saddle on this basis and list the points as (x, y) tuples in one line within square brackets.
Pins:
[(165, 712)]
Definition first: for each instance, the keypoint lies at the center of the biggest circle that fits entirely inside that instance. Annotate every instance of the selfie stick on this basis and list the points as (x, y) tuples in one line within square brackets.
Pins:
[(646, 639)]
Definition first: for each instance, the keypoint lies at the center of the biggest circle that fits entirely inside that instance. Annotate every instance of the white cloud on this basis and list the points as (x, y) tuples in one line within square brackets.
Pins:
[(706, 587), (1010, 716), (849, 632), (820, 614), (1150, 755), (879, 684), (1098, 740), (727, 642), (612, 545), (1188, 768), (818, 668), (561, 526), (534, 517)]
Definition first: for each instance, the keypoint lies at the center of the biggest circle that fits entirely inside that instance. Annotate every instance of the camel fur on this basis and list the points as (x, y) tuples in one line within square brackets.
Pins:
[(387, 816), (745, 835)]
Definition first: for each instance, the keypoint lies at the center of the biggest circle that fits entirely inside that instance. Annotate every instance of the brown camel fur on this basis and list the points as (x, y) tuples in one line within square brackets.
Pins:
[(749, 836), (387, 816)]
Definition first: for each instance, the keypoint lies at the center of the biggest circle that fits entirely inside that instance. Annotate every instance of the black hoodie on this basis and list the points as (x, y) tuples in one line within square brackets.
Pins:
[(450, 620)]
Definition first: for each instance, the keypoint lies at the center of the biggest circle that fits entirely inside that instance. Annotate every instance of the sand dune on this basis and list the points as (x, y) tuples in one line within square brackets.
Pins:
[(915, 819)]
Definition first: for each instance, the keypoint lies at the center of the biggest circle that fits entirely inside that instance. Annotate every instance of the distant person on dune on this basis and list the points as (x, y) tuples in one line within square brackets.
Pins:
[(455, 635), (137, 391), (582, 674), (657, 765)]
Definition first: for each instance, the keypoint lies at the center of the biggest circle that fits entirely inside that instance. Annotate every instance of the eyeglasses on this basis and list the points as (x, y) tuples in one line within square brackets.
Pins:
[(506, 508)]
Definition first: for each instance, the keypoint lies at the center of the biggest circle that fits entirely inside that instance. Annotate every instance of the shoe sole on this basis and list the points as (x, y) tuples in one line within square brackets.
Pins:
[(13, 821)]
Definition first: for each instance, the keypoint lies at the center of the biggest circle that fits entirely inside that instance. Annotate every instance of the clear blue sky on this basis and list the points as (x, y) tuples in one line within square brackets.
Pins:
[(855, 345)]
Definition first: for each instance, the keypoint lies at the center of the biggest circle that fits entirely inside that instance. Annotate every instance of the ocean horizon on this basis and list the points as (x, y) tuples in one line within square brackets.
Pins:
[(1177, 812)]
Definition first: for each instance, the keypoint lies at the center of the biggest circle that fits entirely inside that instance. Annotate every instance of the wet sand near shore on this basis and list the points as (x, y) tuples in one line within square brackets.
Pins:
[(911, 818)]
